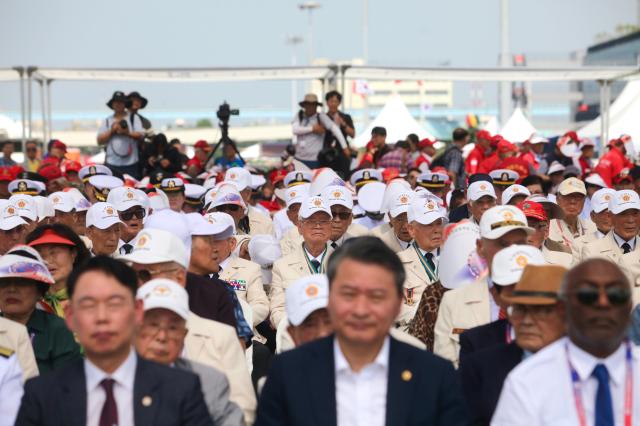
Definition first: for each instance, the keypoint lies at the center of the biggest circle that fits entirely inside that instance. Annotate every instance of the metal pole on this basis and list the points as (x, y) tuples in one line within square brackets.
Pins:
[(43, 109), (50, 123), (603, 123), (29, 100), (20, 71), (607, 102), (505, 97), (365, 31)]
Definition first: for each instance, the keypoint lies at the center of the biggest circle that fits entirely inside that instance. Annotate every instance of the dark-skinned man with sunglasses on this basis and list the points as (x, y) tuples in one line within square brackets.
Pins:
[(536, 321), (589, 377), (621, 244)]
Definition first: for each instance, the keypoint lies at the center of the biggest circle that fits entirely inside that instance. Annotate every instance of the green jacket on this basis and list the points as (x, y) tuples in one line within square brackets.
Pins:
[(53, 343)]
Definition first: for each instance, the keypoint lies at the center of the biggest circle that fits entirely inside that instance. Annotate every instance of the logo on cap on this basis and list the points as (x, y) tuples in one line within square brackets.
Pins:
[(21, 204), (171, 184), (607, 197), (142, 241), (507, 215), (430, 205), (337, 194), (311, 290), (404, 199), (317, 202), (292, 194), (435, 178), (22, 186), (521, 261), (233, 176), (526, 206), (56, 200), (11, 210), (162, 290), (109, 211), (483, 187), (626, 197), (515, 189), (211, 220), (299, 177), (130, 195)]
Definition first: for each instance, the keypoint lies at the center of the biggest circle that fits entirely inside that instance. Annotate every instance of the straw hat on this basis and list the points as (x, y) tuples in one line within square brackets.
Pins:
[(538, 285)]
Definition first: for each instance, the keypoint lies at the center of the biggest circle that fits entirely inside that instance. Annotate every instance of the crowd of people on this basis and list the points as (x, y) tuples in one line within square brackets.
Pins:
[(405, 284)]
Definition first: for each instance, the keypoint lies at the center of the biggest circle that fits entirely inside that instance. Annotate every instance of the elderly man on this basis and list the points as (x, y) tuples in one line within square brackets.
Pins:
[(420, 261), (112, 385), (160, 254), (130, 204), (554, 253), (259, 223), (310, 257), (479, 303), (481, 197), (293, 199), (306, 302), (536, 321), (161, 339), (361, 375), (571, 195), (12, 228), (588, 376), (340, 201), (600, 216), (103, 229), (395, 234)]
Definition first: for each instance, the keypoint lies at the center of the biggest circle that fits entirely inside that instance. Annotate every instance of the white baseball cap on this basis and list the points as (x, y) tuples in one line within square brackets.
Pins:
[(264, 250), (596, 179), (227, 194), (624, 200), (555, 167), (534, 139), (508, 263), (10, 218), (81, 204), (296, 194), (311, 205), (480, 189), (400, 202), (26, 205), (157, 246), (220, 225), (45, 207), (209, 196), (123, 198), (572, 185), (94, 169), (499, 220), (370, 197), (103, 184), (161, 293), (514, 191), (424, 210), (239, 175), (102, 215), (306, 296), (601, 198), (158, 201), (62, 201), (257, 181), (338, 195)]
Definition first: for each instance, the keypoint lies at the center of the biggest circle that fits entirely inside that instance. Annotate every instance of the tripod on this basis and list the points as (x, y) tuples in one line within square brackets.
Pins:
[(224, 113)]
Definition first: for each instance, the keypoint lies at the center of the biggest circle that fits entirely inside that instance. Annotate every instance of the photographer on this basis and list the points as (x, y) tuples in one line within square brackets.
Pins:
[(121, 134), (160, 156), (309, 128)]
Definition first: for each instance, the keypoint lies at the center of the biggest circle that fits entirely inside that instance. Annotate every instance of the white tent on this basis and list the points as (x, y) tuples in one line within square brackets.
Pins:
[(251, 152), (9, 128), (623, 116), (518, 128), (492, 125), (396, 118)]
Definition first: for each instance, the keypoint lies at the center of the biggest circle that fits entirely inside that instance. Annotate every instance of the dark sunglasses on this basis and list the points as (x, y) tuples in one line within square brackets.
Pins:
[(589, 296), (228, 208), (139, 214), (341, 215)]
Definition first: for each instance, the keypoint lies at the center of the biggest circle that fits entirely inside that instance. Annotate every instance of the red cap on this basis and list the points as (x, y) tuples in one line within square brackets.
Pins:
[(425, 143), (6, 174), (572, 135), (484, 135), (50, 172), (533, 210), (50, 237), (72, 166), (390, 173), (622, 176), (202, 144), (495, 139), (59, 144), (506, 146), (277, 176)]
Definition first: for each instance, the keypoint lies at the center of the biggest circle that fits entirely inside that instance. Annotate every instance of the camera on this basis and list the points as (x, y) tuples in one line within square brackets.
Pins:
[(123, 124), (225, 111)]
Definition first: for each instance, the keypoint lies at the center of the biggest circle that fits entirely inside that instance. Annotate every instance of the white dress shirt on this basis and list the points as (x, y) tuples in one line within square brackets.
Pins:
[(539, 390), (620, 241), (403, 244), (122, 390), (361, 398), (10, 389)]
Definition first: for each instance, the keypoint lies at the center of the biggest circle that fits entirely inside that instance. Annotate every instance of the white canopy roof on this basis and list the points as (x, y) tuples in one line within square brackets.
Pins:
[(623, 116), (518, 128), (396, 118), (10, 128)]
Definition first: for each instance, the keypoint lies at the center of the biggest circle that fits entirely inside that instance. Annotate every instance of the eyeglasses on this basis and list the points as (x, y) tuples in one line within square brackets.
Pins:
[(539, 226), (341, 215), (537, 312), (228, 208), (317, 223), (128, 215), (616, 296), (145, 275), (173, 332)]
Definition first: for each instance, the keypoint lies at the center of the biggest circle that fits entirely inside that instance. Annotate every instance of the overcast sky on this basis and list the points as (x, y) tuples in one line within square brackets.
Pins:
[(199, 33)]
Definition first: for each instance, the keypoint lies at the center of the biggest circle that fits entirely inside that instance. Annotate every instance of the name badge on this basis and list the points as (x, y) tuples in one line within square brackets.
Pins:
[(238, 285)]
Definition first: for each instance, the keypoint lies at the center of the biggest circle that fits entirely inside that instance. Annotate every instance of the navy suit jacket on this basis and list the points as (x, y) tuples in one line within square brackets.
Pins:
[(300, 388), (59, 398), (482, 374), (483, 336)]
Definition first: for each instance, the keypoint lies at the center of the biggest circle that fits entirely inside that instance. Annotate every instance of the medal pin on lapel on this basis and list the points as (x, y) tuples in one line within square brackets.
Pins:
[(146, 401), (406, 375)]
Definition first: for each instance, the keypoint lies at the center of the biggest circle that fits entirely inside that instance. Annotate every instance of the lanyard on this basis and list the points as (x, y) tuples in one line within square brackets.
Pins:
[(313, 270), (628, 388), (432, 274)]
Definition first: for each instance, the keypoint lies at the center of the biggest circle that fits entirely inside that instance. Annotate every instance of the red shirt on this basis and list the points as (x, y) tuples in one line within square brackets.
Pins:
[(475, 157), (585, 166), (530, 158), (516, 164), (422, 159), (489, 163), (611, 164)]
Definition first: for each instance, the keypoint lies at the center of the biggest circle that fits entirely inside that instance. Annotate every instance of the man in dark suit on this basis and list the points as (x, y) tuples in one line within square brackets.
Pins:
[(484, 336), (537, 322), (361, 374), (112, 385)]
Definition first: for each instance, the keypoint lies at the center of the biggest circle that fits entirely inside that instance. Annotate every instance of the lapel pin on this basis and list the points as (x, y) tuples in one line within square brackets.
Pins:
[(406, 375), (146, 400)]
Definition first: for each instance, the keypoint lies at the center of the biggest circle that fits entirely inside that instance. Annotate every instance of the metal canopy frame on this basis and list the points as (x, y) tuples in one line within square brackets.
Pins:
[(328, 75)]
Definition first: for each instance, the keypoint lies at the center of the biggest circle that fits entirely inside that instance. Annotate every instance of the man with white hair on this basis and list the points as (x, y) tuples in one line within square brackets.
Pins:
[(482, 197), (600, 216), (259, 223), (293, 199), (103, 229), (420, 261), (479, 303), (12, 227), (160, 254), (395, 234), (310, 257), (571, 197)]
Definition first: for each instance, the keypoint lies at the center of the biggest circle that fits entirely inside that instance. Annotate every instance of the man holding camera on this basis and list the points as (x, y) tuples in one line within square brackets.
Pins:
[(120, 133)]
